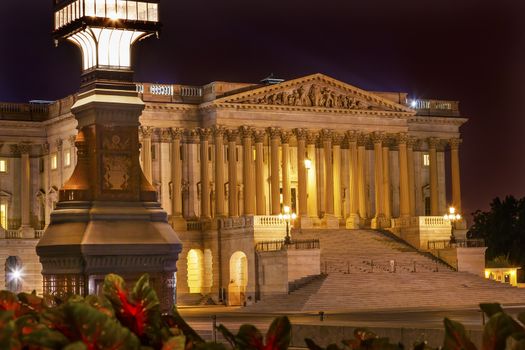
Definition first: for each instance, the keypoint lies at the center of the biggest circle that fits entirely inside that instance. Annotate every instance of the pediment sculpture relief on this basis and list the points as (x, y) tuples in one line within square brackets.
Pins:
[(311, 96)]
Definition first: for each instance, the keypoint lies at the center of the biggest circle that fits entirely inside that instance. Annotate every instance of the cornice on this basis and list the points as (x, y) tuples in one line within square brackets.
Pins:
[(437, 120), (170, 106)]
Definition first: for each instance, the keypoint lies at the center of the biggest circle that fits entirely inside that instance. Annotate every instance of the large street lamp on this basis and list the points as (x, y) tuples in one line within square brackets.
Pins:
[(452, 216), (287, 216)]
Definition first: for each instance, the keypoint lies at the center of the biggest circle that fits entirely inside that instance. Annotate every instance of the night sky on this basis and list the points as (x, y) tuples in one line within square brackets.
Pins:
[(467, 50)]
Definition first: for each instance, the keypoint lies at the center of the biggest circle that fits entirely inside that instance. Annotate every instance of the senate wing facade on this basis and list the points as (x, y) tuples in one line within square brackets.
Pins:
[(228, 158)]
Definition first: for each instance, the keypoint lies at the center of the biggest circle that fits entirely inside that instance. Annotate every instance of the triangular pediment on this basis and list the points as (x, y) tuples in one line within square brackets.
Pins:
[(315, 91)]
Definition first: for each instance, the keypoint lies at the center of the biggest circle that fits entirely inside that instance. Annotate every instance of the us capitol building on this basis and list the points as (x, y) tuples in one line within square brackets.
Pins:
[(226, 159)]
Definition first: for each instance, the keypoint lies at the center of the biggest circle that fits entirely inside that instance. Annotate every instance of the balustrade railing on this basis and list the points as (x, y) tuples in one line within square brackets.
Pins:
[(13, 234), (433, 221), (269, 246), (268, 221), (194, 226), (456, 243)]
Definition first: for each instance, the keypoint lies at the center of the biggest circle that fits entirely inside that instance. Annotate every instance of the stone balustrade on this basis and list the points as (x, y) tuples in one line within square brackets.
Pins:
[(194, 225), (269, 221), (432, 221), (13, 234)]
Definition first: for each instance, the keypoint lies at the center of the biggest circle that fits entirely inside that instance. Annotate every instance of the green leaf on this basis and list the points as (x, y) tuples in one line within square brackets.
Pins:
[(229, 336), (497, 329), (9, 337), (279, 334), (310, 344), (175, 343), (76, 346), (38, 335), (81, 322), (102, 304), (138, 310), (456, 337), (249, 338), (491, 309)]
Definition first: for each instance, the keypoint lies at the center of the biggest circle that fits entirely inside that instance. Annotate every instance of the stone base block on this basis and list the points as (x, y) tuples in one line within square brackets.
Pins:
[(380, 222), (352, 222), (179, 224), (331, 222), (27, 232)]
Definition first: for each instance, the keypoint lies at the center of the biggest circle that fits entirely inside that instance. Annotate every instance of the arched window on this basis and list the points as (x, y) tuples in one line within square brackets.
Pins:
[(239, 269), (195, 270), (13, 274)]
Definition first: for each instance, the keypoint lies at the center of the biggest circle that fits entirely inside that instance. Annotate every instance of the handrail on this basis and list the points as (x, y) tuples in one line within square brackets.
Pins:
[(270, 246), (456, 243)]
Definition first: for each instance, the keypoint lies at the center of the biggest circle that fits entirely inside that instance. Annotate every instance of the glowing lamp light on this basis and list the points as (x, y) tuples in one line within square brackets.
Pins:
[(452, 215), (308, 164), (16, 275), (413, 103)]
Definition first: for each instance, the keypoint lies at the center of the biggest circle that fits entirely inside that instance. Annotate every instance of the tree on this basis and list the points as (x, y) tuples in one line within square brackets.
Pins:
[(503, 228)]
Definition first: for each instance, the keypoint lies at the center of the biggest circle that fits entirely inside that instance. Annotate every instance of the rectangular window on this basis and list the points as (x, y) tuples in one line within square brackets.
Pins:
[(3, 216), (209, 154), (142, 11), (426, 159), (67, 158), (54, 161), (3, 166), (90, 7), (153, 13), (132, 10), (153, 152), (41, 165), (121, 9)]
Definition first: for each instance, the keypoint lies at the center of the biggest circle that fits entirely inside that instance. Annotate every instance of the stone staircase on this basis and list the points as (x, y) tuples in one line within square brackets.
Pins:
[(367, 269)]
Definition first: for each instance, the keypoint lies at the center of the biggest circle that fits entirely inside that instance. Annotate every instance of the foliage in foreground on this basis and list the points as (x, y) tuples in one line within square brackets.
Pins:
[(131, 319)]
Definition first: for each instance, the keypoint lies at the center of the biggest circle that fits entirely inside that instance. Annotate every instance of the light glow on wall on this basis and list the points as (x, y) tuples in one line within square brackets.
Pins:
[(3, 216), (105, 47)]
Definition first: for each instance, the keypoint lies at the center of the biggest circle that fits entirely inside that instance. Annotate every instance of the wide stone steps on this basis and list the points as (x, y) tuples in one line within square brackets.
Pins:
[(352, 284)]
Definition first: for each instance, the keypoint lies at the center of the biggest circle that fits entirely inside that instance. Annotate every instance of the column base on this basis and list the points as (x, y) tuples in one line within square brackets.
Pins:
[(179, 224), (331, 221), (352, 222), (305, 222), (380, 222), (27, 232)]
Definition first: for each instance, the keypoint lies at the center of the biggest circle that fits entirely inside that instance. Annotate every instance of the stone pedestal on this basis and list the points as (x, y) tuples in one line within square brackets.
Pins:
[(330, 221), (108, 219), (352, 222), (27, 232)]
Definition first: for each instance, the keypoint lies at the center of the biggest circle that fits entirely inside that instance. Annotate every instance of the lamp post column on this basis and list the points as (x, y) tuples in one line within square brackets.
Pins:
[(275, 135), (233, 210), (259, 172), (218, 134), (249, 190), (434, 201)]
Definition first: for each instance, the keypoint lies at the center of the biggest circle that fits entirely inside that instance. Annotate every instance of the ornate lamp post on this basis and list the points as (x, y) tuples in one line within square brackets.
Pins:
[(452, 216), (287, 216)]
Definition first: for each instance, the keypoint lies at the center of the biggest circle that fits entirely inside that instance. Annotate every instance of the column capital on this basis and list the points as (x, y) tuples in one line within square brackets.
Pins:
[(412, 142), (204, 134), (71, 139), (378, 137), (166, 135), (433, 142), (326, 135), (311, 138), (24, 148), (59, 143), (300, 134), (176, 133), (146, 131), (454, 143), (351, 136), (232, 135), (402, 138), (45, 148), (192, 135), (285, 137), (363, 139), (275, 133), (218, 131), (259, 135), (337, 139), (246, 132)]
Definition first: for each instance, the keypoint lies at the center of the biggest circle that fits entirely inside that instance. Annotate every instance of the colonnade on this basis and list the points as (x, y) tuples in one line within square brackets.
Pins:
[(236, 179)]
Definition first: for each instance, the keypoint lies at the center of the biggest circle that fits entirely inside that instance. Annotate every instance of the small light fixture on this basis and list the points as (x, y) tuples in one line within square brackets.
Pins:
[(413, 103)]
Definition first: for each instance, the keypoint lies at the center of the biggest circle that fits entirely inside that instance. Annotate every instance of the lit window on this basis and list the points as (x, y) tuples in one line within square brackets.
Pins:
[(54, 161), (3, 216), (3, 166), (67, 158), (426, 159)]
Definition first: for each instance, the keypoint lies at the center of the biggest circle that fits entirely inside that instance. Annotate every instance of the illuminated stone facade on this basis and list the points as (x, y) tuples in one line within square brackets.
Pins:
[(225, 158)]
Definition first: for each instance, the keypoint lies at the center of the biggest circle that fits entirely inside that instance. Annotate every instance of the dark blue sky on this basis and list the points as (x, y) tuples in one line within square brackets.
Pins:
[(467, 50)]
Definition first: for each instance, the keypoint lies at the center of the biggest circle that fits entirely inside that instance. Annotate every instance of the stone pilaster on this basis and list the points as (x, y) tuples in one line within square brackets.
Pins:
[(59, 143), (404, 194), (285, 151), (25, 190), (326, 136), (434, 182), (275, 138), (146, 132), (352, 222), (411, 142), (259, 172), (300, 135), (379, 219), (362, 140), (336, 165), (248, 176), (233, 207), (178, 222), (387, 188), (311, 176)]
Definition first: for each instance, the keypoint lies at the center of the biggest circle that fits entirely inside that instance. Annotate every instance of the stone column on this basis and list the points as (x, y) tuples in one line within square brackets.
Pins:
[(218, 134), (454, 164), (352, 222), (146, 132), (411, 142), (336, 160), (25, 190), (205, 174), (361, 175), (73, 154), (248, 180), (378, 221), (285, 150), (387, 206), (326, 136), (300, 134), (178, 222), (233, 210), (434, 192), (259, 172), (404, 195), (275, 135), (60, 165), (312, 178)]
